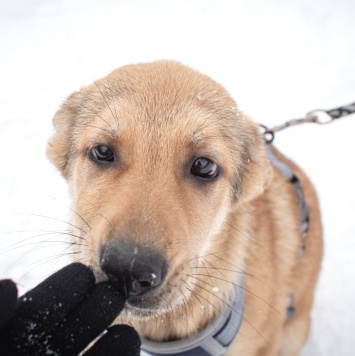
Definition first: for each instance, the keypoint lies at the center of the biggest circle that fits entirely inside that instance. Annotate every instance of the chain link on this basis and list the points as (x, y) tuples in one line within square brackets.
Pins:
[(317, 116)]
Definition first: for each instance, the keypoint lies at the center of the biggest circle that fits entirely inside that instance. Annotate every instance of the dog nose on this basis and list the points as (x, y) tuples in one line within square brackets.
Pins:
[(136, 269)]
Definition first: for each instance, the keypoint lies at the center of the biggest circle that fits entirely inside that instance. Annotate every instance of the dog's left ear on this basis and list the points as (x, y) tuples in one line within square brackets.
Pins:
[(256, 168), (59, 145)]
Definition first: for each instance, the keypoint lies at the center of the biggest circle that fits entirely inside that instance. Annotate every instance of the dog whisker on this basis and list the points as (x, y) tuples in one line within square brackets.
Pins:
[(60, 255), (77, 214), (63, 253), (15, 245), (192, 311), (220, 311), (38, 243), (107, 221), (114, 106), (246, 236), (203, 307), (36, 247), (185, 307), (218, 269), (35, 230), (235, 270), (207, 271), (93, 126), (241, 272), (87, 69), (97, 115), (49, 217), (245, 290), (44, 261), (205, 310), (212, 267), (215, 255), (107, 104), (231, 307)]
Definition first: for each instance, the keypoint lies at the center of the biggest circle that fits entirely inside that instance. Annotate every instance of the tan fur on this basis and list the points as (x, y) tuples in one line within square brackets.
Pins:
[(158, 118)]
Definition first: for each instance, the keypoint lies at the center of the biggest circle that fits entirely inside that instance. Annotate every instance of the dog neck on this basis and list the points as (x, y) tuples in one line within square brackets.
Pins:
[(214, 339)]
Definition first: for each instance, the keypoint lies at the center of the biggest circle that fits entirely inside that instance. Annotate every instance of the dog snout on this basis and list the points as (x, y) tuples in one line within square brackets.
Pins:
[(135, 269)]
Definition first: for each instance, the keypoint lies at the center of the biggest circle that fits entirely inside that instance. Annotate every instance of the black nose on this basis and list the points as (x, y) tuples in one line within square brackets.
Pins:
[(138, 270)]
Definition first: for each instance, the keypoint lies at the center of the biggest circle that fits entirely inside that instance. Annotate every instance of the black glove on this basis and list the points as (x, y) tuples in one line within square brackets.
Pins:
[(63, 315)]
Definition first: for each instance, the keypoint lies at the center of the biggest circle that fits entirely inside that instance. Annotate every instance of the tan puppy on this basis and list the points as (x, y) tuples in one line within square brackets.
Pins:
[(176, 201)]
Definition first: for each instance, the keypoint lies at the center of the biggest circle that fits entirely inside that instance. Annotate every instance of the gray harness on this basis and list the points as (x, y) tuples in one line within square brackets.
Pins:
[(290, 176), (215, 338)]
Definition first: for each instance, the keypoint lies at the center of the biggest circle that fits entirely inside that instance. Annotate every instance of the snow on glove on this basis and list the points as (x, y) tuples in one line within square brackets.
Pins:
[(63, 315)]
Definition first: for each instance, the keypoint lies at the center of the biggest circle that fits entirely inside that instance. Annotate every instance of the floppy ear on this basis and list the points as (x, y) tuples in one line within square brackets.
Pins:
[(59, 145), (256, 168)]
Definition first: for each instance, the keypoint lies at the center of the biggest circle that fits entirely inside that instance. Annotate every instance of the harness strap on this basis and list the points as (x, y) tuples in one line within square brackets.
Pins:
[(290, 176)]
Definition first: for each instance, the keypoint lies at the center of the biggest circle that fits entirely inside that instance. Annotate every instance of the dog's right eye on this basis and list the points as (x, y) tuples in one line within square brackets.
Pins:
[(205, 168), (102, 153)]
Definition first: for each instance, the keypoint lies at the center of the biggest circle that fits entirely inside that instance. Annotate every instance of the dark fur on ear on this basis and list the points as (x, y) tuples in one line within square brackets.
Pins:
[(59, 145)]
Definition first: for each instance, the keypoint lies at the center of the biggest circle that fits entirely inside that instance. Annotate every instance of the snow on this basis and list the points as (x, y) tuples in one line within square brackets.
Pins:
[(278, 59)]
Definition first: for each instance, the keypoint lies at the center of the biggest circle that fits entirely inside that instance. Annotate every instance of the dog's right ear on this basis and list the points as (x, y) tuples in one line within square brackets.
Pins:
[(257, 171), (60, 144)]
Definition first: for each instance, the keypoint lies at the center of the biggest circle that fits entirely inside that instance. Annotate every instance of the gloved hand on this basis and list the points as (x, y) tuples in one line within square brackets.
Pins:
[(63, 315)]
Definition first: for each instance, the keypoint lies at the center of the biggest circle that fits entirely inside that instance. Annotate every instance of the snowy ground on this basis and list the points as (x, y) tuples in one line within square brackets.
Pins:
[(278, 59)]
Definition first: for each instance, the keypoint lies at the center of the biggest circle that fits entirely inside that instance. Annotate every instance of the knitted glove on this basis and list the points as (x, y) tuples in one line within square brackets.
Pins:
[(63, 315)]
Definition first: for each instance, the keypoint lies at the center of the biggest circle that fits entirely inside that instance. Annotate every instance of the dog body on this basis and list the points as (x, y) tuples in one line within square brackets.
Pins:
[(175, 199)]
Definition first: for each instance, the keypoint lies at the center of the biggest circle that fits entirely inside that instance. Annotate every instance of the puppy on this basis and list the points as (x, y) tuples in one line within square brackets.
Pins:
[(177, 200)]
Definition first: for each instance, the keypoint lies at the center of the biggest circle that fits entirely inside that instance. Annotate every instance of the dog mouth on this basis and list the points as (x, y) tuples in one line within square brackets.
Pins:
[(147, 306), (142, 305), (149, 302)]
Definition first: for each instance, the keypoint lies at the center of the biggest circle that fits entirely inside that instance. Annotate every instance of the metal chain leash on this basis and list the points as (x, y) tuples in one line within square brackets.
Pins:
[(316, 116)]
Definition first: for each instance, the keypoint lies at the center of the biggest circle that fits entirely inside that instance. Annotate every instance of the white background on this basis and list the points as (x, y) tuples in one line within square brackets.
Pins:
[(278, 59)]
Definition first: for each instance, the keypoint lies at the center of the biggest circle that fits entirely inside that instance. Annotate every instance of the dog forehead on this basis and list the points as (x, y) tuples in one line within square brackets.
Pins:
[(161, 95), (157, 87)]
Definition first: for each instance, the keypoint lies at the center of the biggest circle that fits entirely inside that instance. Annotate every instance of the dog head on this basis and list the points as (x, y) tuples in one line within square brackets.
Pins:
[(157, 156)]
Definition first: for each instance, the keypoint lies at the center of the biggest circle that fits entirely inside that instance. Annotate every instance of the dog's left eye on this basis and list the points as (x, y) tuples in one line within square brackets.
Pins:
[(204, 168), (102, 153)]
